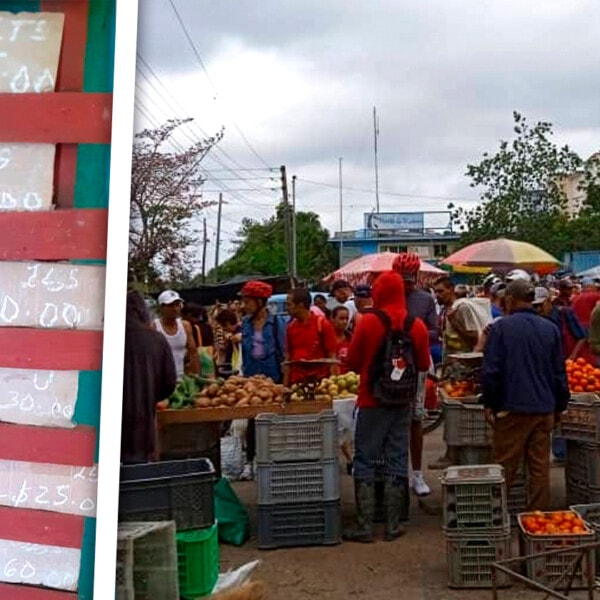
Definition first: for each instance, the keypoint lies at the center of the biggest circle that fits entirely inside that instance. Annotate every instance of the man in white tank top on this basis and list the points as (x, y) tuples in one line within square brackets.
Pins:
[(177, 332)]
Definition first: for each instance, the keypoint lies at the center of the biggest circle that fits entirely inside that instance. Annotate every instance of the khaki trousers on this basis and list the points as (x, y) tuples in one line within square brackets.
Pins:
[(526, 438)]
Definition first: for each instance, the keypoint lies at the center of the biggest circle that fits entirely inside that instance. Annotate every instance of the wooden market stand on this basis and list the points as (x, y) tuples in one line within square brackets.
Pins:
[(67, 235)]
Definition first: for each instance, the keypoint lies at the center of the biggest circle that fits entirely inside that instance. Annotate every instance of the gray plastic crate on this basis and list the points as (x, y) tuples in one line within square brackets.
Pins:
[(296, 438), (590, 513), (178, 490), (470, 557), (298, 482), (474, 498), (146, 561), (465, 424), (302, 524), (583, 463), (581, 420), (548, 570), (518, 495)]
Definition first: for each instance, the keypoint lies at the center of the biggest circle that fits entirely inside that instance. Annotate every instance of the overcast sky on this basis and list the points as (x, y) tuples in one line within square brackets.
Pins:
[(294, 83)]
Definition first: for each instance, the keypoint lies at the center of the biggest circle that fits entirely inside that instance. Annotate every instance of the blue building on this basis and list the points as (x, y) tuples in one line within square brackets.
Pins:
[(428, 234)]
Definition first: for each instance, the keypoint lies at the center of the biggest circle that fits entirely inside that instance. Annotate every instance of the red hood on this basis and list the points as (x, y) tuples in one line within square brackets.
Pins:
[(388, 295)]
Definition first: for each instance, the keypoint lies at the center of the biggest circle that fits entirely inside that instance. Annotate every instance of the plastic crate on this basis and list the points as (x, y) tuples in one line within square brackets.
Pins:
[(550, 570), (474, 498), (581, 420), (296, 438), (146, 562), (590, 513), (302, 524), (465, 424), (580, 493), (298, 482), (518, 495), (179, 490), (178, 441), (583, 463), (198, 561), (469, 559)]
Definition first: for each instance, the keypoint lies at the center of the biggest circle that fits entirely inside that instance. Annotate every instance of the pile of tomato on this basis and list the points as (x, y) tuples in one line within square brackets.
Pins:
[(460, 389), (582, 376), (553, 523)]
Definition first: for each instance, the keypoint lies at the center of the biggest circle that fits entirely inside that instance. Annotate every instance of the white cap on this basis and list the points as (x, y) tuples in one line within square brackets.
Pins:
[(168, 297)]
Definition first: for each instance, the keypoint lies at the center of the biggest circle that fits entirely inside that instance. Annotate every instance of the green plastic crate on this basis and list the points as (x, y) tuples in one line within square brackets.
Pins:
[(197, 561)]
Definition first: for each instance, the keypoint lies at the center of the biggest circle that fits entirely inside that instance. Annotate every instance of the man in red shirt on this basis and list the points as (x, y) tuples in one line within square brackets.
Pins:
[(584, 303), (383, 431), (309, 337)]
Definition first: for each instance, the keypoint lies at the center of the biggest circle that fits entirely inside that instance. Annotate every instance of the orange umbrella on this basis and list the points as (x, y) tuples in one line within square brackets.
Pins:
[(502, 255)]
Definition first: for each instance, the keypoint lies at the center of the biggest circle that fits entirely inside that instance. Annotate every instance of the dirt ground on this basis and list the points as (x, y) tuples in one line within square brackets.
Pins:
[(412, 567)]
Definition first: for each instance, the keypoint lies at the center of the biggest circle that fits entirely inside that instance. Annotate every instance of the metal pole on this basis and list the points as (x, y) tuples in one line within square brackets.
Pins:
[(341, 217), (218, 237), (286, 220), (376, 134), (204, 244), (294, 231)]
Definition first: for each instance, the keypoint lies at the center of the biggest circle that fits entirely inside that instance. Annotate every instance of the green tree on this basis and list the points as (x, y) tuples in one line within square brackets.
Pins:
[(165, 196), (521, 196), (261, 249)]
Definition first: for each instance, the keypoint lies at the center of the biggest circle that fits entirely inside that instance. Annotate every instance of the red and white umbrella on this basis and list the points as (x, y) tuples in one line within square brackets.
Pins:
[(365, 269)]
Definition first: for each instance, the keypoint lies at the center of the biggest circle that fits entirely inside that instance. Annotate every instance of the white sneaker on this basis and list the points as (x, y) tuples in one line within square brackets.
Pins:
[(419, 486), (247, 473)]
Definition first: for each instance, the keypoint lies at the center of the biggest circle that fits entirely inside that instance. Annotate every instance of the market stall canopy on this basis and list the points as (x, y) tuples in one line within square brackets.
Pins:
[(593, 272), (367, 267), (503, 255)]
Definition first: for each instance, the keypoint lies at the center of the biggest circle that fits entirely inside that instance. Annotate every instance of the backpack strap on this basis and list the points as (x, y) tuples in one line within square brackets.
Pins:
[(387, 322)]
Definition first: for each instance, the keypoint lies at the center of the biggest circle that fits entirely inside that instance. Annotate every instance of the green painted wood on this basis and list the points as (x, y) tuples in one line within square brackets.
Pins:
[(86, 572), (93, 160), (16, 6), (87, 408)]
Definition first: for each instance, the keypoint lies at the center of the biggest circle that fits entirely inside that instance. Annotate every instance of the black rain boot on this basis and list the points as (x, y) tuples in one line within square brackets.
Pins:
[(379, 516), (364, 494), (405, 507), (395, 501)]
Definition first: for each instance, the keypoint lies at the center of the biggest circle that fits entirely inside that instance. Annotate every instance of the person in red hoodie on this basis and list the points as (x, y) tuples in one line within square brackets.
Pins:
[(382, 431)]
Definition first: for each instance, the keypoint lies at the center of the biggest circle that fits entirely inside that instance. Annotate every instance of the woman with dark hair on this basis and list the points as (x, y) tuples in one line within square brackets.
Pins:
[(228, 359), (340, 318), (321, 303), (197, 316)]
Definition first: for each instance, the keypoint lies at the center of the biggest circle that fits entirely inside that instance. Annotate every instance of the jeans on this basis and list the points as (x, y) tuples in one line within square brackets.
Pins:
[(559, 447), (382, 432)]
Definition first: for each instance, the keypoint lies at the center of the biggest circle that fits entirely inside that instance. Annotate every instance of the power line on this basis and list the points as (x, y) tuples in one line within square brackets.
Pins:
[(367, 191), (197, 55)]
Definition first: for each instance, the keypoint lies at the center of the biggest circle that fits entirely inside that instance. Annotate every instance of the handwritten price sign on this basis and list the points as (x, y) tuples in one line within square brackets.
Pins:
[(51, 295), (37, 564), (58, 488)]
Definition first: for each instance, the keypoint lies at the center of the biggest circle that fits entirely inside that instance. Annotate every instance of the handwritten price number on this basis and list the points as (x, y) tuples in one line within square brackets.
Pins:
[(62, 496), (52, 284), (27, 403), (23, 26), (24, 570)]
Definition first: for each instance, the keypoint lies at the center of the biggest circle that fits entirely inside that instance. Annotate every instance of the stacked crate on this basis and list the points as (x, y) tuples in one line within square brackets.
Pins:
[(580, 426), (181, 491), (476, 524), (469, 437), (298, 480)]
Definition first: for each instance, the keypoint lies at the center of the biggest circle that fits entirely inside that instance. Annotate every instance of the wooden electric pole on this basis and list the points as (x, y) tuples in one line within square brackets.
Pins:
[(204, 245), (286, 219), (294, 232), (218, 237)]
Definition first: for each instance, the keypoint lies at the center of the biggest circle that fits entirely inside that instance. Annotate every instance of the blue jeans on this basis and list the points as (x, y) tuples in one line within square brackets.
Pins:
[(559, 447), (382, 432)]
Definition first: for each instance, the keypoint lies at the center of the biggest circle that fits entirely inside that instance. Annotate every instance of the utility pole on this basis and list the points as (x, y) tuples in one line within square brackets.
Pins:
[(218, 237), (376, 134), (204, 245), (286, 219), (341, 218), (294, 232)]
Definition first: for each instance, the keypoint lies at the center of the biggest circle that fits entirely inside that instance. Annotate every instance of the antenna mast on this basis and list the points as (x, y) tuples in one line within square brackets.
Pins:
[(376, 134)]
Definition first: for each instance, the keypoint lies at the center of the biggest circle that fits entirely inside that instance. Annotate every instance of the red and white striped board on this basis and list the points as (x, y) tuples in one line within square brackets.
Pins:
[(51, 312)]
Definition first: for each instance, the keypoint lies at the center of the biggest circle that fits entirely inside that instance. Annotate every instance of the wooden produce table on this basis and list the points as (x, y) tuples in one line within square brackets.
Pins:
[(196, 432)]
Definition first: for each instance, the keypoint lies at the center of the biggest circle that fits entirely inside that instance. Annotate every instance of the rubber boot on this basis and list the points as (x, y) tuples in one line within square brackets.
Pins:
[(379, 501), (405, 505), (364, 494), (395, 502)]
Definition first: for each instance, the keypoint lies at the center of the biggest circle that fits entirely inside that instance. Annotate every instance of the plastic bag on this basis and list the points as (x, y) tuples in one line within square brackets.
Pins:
[(232, 457), (231, 515), (235, 579)]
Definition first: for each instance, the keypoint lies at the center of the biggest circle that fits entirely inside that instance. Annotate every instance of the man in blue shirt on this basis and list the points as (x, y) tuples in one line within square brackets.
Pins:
[(524, 390)]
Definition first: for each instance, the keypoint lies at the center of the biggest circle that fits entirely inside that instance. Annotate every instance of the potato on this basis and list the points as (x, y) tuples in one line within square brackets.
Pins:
[(215, 402), (242, 404), (231, 400), (212, 390), (256, 401), (202, 402)]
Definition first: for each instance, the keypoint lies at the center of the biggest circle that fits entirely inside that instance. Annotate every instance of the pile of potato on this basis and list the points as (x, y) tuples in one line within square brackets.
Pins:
[(241, 392)]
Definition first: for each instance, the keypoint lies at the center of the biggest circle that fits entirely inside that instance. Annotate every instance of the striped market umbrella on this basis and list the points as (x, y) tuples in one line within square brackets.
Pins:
[(365, 269), (503, 255)]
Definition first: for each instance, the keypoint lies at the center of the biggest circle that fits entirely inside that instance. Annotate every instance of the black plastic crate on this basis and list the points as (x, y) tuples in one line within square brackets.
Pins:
[(178, 490), (301, 524)]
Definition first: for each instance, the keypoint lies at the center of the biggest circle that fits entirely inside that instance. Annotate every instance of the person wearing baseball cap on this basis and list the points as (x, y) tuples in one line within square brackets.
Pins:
[(177, 332), (342, 291), (565, 292)]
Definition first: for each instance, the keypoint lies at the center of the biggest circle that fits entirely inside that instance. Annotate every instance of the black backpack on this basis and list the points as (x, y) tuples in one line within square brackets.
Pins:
[(393, 374)]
